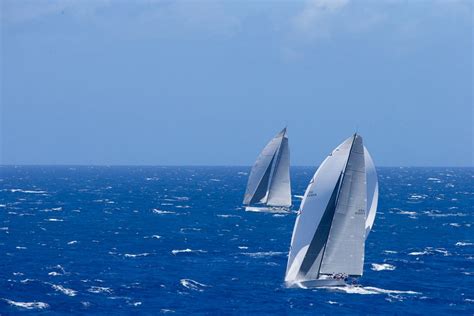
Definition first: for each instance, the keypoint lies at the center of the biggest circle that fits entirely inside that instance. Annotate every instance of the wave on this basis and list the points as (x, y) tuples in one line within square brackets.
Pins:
[(228, 215), (462, 243), (436, 213), (411, 213), (263, 254), (27, 305), (28, 191), (368, 290), (54, 273), (419, 253), (161, 212), (100, 289), (52, 209), (60, 288), (54, 220), (130, 255), (193, 285), (382, 267), (176, 251)]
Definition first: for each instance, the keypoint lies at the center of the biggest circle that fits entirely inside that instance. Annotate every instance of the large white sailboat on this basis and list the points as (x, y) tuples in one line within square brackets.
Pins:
[(335, 217), (268, 187)]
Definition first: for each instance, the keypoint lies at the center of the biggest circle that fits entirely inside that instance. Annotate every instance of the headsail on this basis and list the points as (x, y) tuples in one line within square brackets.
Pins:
[(269, 180), (344, 251), (372, 192), (279, 191), (329, 233)]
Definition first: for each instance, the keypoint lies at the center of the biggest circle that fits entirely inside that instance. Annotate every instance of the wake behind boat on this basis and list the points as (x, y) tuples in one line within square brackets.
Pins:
[(268, 187), (335, 217)]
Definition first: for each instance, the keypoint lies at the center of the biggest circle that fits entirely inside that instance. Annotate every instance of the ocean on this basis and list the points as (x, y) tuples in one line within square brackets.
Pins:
[(151, 240)]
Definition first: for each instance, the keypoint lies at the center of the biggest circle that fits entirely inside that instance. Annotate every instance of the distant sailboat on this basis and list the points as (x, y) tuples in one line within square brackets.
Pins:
[(335, 217), (268, 187)]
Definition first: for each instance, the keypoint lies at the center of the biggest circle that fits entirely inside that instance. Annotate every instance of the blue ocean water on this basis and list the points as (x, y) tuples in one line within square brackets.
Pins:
[(127, 240)]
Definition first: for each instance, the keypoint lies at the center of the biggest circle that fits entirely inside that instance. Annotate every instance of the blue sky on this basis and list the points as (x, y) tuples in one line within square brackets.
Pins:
[(164, 82)]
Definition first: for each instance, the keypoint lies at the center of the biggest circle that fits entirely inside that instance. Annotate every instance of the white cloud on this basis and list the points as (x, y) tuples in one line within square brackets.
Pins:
[(313, 20)]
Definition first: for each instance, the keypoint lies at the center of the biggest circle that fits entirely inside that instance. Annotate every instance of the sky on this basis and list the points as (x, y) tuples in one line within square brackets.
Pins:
[(161, 82)]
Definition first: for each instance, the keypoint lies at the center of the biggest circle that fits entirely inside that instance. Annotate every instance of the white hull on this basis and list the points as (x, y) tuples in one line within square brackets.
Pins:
[(317, 283), (268, 209)]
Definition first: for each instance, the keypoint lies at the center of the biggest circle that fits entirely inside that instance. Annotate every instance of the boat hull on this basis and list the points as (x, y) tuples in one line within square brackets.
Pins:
[(317, 283), (268, 209)]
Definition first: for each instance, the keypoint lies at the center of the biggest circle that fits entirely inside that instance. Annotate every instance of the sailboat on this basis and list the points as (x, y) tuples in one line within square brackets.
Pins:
[(268, 187), (335, 217)]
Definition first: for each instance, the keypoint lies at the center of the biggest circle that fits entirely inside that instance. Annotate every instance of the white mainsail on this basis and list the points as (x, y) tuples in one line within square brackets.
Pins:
[(330, 230), (269, 180)]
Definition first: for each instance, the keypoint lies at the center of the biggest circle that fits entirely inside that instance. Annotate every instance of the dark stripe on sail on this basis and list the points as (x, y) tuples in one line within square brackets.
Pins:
[(322, 233), (262, 188)]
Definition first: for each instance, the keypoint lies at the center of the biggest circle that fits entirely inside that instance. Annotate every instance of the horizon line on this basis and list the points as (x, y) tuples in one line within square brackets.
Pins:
[(198, 165)]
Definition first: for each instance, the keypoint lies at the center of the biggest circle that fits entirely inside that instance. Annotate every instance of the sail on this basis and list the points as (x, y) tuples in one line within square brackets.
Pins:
[(259, 179), (372, 192), (279, 191), (344, 250), (309, 237)]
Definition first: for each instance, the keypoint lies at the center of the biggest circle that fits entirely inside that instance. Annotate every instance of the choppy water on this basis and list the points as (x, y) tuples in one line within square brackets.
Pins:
[(175, 239)]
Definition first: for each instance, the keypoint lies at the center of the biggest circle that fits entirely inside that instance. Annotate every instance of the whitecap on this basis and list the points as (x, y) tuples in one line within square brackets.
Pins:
[(54, 273), (215, 180), (21, 248), (129, 255), (436, 213), (242, 173), (27, 305), (263, 254), (455, 224), (176, 251), (72, 242), (389, 252), (228, 215), (193, 285), (28, 191), (411, 213), (161, 212), (419, 253), (54, 220), (443, 251), (181, 198), (155, 236), (100, 289), (243, 247), (185, 229), (382, 267), (461, 244), (164, 311), (60, 288), (368, 290), (279, 215)]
